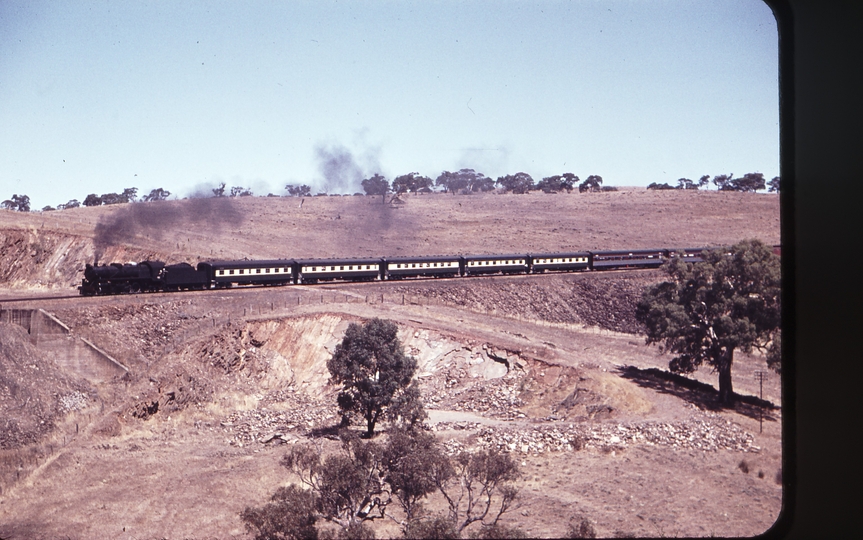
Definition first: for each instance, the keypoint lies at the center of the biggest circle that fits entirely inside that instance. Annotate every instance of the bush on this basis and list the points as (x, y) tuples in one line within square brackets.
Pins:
[(743, 466), (290, 515), (581, 528)]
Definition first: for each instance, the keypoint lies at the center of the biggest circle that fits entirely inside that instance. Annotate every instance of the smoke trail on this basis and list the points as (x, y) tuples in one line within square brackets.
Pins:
[(156, 218), (341, 172)]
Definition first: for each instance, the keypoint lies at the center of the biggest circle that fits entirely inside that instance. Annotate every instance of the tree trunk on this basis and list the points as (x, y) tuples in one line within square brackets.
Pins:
[(726, 391)]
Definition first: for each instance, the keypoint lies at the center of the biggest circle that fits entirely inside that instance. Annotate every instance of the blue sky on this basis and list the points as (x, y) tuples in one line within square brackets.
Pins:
[(99, 96)]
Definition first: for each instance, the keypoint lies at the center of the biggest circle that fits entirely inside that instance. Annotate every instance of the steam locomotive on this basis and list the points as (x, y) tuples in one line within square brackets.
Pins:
[(153, 276)]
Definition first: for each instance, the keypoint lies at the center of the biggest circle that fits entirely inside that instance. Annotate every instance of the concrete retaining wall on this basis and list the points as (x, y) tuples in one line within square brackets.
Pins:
[(77, 355)]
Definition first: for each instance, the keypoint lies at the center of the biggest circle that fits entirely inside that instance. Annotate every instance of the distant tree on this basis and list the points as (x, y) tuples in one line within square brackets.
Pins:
[(47, 208), (111, 198), (239, 191), (750, 182), (71, 204), (92, 200), (373, 370), (517, 183), (686, 183), (557, 183), (655, 186), (219, 191), (450, 182), (157, 194), (412, 182), (703, 181), (609, 188), (723, 182), (20, 203), (773, 185), (376, 185), (298, 191), (465, 180), (709, 309), (592, 183), (129, 194)]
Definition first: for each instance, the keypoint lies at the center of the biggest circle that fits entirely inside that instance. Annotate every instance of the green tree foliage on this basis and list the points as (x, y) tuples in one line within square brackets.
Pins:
[(557, 183), (157, 194), (476, 487), (219, 191), (464, 181), (723, 182), (376, 185), (750, 182), (409, 461), (240, 191), (517, 183), (129, 194), (347, 487), (71, 204), (92, 200), (773, 185), (592, 183), (298, 191), (111, 198), (655, 186), (48, 208), (707, 310), (19, 203), (686, 183), (290, 515), (412, 182), (373, 370)]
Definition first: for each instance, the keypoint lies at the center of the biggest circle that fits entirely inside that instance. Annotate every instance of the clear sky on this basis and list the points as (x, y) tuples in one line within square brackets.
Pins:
[(98, 96)]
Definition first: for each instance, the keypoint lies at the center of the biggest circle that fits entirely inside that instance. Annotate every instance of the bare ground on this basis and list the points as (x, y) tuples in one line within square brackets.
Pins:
[(176, 450)]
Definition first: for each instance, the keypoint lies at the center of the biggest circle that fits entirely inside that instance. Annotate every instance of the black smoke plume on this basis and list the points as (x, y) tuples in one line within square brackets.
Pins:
[(154, 219), (341, 172)]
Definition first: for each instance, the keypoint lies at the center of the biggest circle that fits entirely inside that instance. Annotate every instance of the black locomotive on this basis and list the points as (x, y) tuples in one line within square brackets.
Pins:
[(152, 276)]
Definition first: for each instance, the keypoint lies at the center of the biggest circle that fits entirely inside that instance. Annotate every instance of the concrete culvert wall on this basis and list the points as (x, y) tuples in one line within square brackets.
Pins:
[(77, 356)]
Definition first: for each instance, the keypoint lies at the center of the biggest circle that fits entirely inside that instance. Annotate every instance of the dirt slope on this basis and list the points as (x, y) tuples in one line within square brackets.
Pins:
[(50, 249)]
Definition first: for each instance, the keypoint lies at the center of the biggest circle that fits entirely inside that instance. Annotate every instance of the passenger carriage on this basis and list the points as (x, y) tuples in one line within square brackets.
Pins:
[(225, 274), (636, 258), (559, 262), (692, 255), (315, 270), (404, 267), (495, 264)]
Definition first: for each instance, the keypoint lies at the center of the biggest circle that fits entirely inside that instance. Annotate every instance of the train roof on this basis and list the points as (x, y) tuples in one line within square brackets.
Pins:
[(250, 264), (324, 262), (432, 258), (628, 251), (495, 256), (560, 254)]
